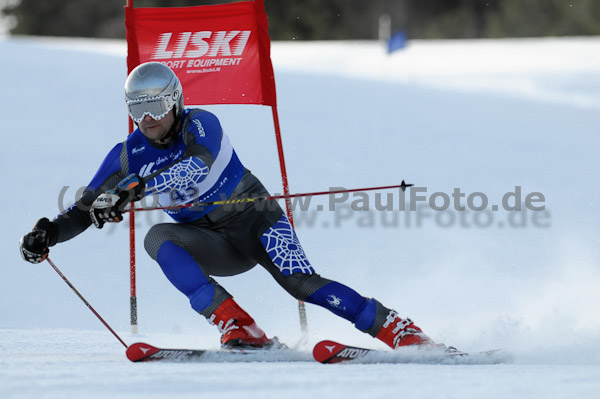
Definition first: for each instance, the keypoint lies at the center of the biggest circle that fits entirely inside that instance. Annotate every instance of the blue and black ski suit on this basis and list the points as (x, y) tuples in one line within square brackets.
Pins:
[(219, 240)]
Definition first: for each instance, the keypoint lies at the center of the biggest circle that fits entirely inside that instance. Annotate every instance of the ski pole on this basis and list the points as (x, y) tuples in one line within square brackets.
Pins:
[(85, 302), (401, 186)]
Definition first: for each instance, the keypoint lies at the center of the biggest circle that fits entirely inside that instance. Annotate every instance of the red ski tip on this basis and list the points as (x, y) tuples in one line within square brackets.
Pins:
[(326, 350), (139, 351)]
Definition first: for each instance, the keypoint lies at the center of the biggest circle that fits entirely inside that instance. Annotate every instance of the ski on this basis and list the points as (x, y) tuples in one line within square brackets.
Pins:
[(329, 352), (334, 352), (142, 352)]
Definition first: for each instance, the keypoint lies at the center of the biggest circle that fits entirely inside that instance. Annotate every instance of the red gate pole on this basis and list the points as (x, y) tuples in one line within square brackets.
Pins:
[(132, 285), (288, 207)]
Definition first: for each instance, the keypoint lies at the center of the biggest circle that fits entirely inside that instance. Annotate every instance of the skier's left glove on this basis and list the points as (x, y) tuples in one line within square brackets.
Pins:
[(35, 245), (109, 206)]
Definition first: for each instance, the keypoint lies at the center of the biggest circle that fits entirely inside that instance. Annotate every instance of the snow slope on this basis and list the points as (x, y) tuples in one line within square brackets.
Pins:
[(481, 116)]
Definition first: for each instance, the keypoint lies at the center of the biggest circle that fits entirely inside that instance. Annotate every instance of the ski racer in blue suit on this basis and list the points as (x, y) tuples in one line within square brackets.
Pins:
[(181, 156)]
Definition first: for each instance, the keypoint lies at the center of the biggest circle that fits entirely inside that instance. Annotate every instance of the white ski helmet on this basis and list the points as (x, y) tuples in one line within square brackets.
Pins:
[(153, 89)]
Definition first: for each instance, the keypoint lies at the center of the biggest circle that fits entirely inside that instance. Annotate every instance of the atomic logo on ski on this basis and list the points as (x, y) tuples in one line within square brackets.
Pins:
[(141, 352), (352, 353), (333, 352)]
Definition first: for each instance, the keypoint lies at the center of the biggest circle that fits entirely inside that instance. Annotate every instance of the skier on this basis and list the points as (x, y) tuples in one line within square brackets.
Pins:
[(182, 156)]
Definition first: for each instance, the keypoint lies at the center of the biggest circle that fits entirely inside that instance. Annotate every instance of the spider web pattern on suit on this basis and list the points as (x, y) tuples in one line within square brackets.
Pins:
[(284, 249), (180, 176)]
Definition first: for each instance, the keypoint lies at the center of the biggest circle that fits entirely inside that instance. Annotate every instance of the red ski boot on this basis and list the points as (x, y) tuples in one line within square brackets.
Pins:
[(397, 332), (238, 329)]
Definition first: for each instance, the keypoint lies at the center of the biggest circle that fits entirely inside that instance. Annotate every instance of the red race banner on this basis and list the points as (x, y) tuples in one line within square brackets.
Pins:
[(221, 53)]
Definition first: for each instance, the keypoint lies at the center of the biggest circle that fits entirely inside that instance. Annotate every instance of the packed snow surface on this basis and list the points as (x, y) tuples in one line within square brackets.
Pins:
[(485, 117)]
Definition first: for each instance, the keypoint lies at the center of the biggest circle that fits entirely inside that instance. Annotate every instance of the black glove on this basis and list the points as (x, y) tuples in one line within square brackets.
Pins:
[(109, 206), (35, 246)]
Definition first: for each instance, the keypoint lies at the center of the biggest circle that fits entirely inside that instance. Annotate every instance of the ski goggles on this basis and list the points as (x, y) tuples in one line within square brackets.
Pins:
[(157, 107)]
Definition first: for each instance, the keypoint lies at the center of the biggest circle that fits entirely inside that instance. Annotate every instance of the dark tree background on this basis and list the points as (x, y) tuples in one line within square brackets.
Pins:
[(336, 19)]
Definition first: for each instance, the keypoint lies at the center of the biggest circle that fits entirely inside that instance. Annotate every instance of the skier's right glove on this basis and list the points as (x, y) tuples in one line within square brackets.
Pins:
[(35, 245), (109, 206)]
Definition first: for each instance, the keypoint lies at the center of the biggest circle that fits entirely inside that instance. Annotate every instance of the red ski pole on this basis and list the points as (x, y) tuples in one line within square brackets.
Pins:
[(85, 302)]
